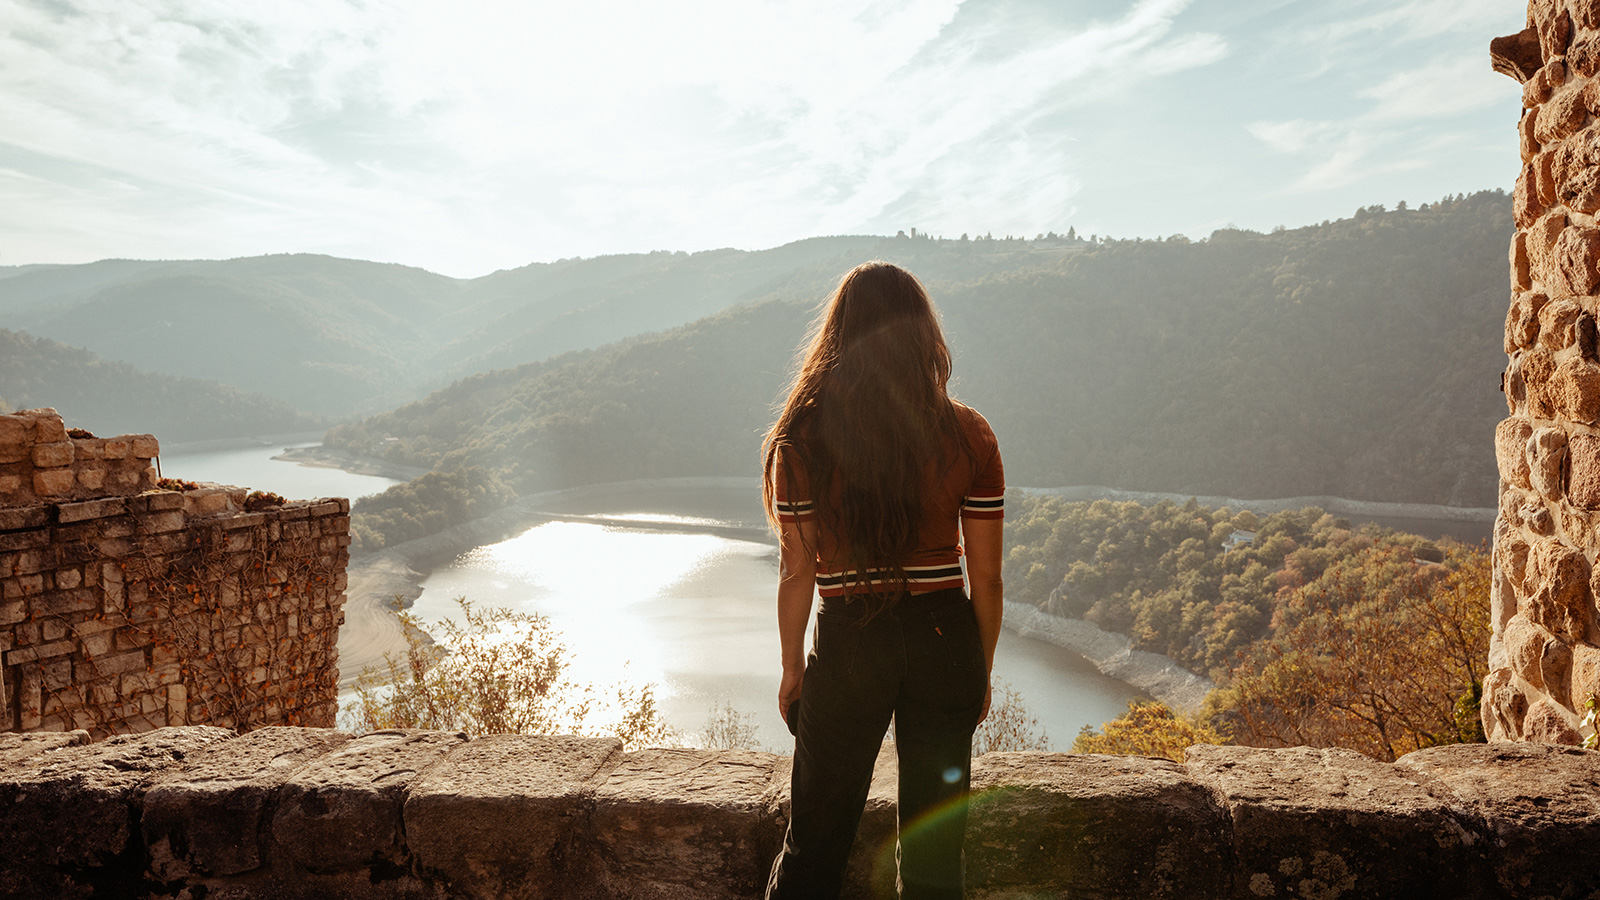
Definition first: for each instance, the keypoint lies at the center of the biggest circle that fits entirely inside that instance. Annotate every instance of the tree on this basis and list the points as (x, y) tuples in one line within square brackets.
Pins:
[(1009, 725), (729, 729), (499, 672), (1148, 728), (1381, 654)]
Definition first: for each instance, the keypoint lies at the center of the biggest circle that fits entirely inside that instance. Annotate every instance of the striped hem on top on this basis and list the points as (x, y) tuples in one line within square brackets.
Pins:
[(919, 579), (792, 511), (983, 507)]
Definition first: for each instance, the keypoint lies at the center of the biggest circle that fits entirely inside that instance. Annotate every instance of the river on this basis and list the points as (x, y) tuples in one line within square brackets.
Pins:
[(690, 613), (657, 603)]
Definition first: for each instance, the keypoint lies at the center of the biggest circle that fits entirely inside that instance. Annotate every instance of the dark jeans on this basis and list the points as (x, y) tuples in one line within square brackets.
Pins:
[(921, 662)]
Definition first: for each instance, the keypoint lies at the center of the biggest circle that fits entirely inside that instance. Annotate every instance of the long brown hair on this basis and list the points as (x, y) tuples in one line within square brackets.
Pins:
[(868, 411)]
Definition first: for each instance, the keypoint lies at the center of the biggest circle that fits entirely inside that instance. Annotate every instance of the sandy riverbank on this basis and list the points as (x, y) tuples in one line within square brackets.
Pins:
[(322, 456)]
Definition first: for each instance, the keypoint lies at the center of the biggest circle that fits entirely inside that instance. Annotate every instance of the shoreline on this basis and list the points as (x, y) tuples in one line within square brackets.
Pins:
[(321, 456), (378, 580)]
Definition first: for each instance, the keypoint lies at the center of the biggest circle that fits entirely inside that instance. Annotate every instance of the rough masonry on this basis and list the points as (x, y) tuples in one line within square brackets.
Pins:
[(125, 607), (1544, 657), (281, 813)]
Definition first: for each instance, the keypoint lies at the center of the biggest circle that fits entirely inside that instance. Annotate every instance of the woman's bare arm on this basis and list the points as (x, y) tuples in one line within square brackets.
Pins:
[(797, 578), (983, 542)]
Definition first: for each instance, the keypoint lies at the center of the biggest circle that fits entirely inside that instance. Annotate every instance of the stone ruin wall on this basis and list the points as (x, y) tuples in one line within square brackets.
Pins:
[(125, 608), (285, 813), (1544, 657)]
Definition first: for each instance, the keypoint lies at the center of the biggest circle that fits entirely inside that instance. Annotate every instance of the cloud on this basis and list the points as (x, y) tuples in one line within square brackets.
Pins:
[(485, 134)]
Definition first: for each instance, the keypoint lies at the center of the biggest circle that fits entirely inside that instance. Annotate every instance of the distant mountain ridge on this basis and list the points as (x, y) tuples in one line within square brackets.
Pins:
[(1356, 358), (337, 336)]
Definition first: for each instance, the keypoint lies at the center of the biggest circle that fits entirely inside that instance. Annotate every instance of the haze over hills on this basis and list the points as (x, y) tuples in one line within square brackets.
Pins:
[(115, 398), (1344, 359), (337, 336)]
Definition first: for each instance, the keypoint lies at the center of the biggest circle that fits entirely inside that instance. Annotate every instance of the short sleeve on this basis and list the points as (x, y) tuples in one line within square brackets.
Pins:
[(792, 493), (986, 499)]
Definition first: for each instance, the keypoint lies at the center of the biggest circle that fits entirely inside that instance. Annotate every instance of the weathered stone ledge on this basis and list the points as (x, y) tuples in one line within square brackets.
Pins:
[(290, 812)]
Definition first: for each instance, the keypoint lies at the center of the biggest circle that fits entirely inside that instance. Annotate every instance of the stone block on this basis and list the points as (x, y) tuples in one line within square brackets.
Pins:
[(1537, 369), (1510, 448), (344, 811), (1063, 825), (115, 448), (1311, 822), (1546, 722), (1575, 169), (1521, 265), (1526, 207), (54, 482), (1504, 705), (54, 455), (68, 814), (47, 425), (1558, 597), (1536, 803), (24, 517), (163, 522), (1560, 117), (143, 446), (1524, 645), (208, 817), (159, 501), (1556, 320), (687, 823), (1547, 461), (1523, 320), (1578, 256), (1583, 490), (17, 750), (91, 476), (506, 815), (1542, 238)]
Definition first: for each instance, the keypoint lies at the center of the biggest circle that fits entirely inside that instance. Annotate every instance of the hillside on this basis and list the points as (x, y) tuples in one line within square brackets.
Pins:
[(339, 336), (1349, 359), (115, 398)]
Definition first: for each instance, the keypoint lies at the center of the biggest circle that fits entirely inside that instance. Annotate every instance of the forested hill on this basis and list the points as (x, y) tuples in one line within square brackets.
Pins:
[(114, 398), (338, 336), (1356, 358)]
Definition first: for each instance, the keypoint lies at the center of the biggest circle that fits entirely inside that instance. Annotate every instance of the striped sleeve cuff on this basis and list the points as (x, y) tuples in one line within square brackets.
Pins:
[(793, 511), (984, 507)]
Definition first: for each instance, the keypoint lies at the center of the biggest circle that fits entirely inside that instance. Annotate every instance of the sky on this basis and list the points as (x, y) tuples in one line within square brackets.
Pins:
[(478, 135)]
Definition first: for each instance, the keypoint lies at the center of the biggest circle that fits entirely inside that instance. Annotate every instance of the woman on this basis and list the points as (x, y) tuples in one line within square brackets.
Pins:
[(873, 477)]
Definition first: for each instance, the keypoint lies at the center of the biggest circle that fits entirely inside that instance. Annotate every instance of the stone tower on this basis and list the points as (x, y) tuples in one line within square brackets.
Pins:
[(1544, 657)]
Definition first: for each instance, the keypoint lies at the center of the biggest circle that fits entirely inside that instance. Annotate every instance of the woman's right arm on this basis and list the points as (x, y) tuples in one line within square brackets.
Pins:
[(797, 578), (984, 542)]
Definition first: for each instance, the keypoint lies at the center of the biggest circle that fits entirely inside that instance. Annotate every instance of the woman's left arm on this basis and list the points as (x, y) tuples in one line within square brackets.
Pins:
[(983, 539)]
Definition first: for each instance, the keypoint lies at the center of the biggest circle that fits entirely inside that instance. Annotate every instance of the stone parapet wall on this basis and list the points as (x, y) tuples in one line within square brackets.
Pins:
[(1544, 657), (129, 612), (41, 463), (302, 812)]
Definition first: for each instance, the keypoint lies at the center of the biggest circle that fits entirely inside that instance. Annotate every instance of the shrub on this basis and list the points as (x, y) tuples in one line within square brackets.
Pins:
[(1009, 725), (499, 672), (1148, 728)]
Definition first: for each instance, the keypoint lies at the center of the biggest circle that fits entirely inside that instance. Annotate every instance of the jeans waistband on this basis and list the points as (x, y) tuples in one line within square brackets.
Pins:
[(859, 605)]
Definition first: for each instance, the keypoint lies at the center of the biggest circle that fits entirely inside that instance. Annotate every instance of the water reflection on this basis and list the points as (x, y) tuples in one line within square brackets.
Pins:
[(694, 614)]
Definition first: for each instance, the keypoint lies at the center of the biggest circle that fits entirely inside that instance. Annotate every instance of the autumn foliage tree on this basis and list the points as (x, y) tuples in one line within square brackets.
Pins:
[(1381, 653), (1148, 728)]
